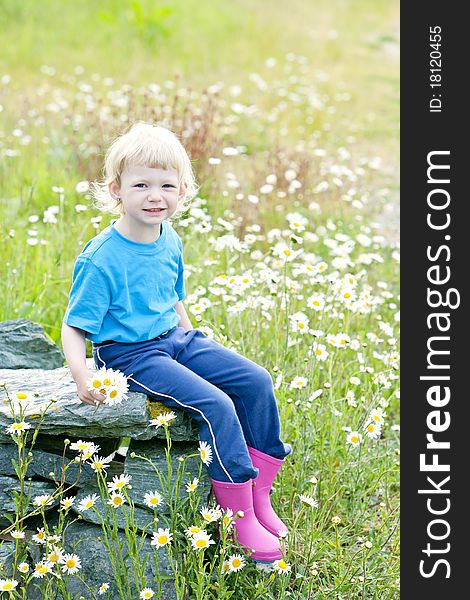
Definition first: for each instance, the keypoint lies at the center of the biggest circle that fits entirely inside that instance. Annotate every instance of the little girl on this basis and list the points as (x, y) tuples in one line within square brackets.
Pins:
[(127, 298)]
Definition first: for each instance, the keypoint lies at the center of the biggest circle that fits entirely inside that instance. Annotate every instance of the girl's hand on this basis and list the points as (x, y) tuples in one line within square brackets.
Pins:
[(88, 397)]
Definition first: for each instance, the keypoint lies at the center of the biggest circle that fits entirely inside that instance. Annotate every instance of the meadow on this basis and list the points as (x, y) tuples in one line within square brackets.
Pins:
[(290, 115)]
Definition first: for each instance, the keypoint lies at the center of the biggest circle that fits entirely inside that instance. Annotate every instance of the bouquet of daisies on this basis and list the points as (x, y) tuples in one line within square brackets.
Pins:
[(110, 383)]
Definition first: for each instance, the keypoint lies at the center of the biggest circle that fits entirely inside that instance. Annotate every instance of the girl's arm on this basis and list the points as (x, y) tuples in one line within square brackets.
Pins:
[(74, 345), (185, 323)]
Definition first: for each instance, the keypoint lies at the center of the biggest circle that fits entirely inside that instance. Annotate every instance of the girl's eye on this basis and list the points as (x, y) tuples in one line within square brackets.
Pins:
[(138, 184), (169, 185)]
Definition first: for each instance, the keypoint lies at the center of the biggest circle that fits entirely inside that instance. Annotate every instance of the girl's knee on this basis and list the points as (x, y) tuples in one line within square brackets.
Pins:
[(260, 378)]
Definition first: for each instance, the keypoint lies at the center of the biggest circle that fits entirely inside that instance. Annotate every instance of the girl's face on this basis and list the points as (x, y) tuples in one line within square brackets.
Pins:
[(148, 197)]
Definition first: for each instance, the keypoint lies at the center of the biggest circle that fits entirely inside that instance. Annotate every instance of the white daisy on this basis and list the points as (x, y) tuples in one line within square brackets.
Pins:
[(8, 585), (236, 562), (87, 502), (191, 486), (147, 593), (116, 500), (82, 187), (42, 568), (43, 500), (153, 499), (205, 452), (17, 535), (316, 302), (226, 566), (17, 428), (354, 438), (119, 483), (85, 449), (309, 500), (373, 430), (280, 566), (70, 563), (23, 567), (164, 419), (228, 519), (319, 351), (66, 503), (377, 415), (104, 587), (201, 540), (40, 536), (298, 383), (192, 531), (98, 463), (209, 514), (161, 537)]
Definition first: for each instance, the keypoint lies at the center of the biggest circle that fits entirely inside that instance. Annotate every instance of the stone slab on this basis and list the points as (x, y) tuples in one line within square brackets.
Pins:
[(7, 487), (67, 415), (24, 345)]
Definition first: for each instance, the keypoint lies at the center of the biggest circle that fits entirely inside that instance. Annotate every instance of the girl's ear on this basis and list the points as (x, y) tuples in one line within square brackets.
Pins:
[(183, 188), (114, 190)]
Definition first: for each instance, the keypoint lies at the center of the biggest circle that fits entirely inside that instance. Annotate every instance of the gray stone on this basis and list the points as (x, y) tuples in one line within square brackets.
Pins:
[(24, 345), (43, 464), (145, 478), (67, 415), (143, 517), (56, 444), (87, 541), (7, 556), (8, 485)]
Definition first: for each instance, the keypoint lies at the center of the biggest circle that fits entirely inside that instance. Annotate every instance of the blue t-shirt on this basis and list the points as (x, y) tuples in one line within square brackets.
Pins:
[(124, 290)]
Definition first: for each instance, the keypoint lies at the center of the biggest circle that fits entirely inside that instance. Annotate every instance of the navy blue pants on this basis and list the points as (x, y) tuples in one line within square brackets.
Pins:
[(231, 397)]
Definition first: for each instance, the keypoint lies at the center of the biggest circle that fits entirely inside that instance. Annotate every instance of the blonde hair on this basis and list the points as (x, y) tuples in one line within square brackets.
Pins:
[(144, 145)]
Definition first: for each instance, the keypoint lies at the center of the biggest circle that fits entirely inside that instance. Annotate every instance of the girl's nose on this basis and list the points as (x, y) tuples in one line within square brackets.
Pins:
[(154, 195)]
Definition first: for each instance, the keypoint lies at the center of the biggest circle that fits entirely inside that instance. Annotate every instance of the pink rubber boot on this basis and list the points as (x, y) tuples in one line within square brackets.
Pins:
[(268, 467), (250, 533)]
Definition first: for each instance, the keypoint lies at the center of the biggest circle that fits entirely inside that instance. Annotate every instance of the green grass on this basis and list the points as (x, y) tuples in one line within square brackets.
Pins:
[(353, 73)]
